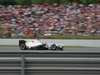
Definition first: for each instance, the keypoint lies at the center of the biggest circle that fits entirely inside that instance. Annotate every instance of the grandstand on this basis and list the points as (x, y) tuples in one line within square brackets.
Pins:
[(44, 19)]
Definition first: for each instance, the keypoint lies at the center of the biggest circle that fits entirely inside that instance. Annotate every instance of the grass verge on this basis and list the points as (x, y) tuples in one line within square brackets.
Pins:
[(79, 47), (8, 46), (86, 37)]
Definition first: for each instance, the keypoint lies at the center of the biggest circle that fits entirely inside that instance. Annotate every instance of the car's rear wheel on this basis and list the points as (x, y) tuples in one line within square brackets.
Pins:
[(22, 46)]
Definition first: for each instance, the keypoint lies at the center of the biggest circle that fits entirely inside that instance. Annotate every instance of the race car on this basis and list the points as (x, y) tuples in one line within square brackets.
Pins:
[(37, 45)]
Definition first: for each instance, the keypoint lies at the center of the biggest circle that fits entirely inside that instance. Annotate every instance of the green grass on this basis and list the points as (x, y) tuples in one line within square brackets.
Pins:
[(61, 36), (79, 47), (8, 46)]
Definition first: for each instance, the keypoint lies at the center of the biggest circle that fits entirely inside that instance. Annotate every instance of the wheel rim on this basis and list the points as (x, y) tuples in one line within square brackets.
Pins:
[(22, 46), (53, 48)]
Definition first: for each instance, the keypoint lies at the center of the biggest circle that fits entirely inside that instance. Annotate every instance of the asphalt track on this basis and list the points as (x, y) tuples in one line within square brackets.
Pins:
[(67, 52), (16, 49)]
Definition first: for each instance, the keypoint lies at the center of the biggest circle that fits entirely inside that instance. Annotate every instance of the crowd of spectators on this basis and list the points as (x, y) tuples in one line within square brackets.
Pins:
[(44, 19)]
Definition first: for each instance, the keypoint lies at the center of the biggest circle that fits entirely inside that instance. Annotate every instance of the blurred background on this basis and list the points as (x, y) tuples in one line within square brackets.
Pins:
[(50, 19)]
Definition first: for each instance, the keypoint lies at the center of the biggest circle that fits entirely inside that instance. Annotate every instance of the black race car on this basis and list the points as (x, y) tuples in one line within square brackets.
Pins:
[(37, 45)]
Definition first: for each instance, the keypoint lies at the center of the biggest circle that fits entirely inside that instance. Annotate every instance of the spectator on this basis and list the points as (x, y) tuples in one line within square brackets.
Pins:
[(73, 19)]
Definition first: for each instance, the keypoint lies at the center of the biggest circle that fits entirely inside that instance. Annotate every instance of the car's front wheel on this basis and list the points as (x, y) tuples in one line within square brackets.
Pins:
[(60, 48), (53, 47)]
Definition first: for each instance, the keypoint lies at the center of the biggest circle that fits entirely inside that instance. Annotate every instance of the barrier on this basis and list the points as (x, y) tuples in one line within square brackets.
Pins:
[(53, 64), (63, 42)]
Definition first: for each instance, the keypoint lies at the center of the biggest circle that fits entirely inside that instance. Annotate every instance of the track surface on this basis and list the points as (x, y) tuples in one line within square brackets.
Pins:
[(16, 49)]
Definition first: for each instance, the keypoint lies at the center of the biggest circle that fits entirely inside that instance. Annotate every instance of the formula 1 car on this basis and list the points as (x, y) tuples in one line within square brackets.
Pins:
[(37, 45)]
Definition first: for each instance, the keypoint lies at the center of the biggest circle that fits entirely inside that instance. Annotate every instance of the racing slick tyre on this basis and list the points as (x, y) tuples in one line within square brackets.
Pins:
[(53, 47), (22, 45), (60, 48)]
